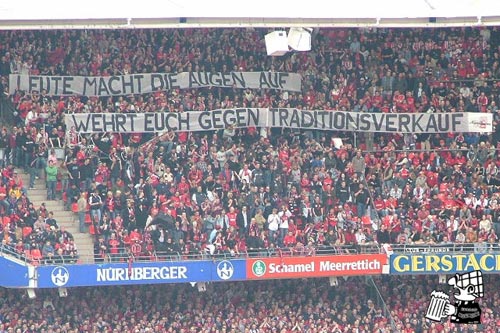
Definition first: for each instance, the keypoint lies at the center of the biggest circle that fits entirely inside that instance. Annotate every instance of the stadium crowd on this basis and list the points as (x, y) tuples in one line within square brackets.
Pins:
[(283, 306), (237, 190), (31, 231)]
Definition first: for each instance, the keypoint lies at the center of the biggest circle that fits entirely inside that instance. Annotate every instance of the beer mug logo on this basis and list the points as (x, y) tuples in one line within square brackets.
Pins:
[(467, 288), (436, 309)]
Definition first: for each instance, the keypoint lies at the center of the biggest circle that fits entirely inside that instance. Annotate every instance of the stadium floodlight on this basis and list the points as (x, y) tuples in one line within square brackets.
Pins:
[(279, 43), (63, 292), (31, 293), (276, 43), (299, 39)]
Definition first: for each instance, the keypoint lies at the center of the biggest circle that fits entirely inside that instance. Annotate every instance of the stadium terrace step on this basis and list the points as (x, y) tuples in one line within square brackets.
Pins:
[(65, 219)]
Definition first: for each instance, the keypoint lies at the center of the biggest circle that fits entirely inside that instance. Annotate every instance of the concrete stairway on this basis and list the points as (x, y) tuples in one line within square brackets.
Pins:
[(65, 218)]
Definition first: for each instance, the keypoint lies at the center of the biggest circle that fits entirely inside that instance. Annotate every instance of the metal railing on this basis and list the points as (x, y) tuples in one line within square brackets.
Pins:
[(125, 254), (9, 250), (443, 248)]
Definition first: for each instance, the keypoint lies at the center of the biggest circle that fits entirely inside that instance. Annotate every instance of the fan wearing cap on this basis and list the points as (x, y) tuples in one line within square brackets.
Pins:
[(469, 286)]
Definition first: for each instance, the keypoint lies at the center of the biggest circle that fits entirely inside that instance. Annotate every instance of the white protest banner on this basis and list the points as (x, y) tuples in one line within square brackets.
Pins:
[(381, 122), (147, 83), (192, 121), (152, 122)]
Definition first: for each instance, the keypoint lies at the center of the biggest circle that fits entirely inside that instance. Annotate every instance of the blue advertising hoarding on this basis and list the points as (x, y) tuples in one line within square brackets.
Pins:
[(444, 263), (140, 273), (13, 274)]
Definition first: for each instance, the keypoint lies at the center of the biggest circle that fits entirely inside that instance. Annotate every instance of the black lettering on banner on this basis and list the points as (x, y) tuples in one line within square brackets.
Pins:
[(148, 122), (274, 113), (283, 118), (214, 79), (226, 79), (416, 123), (157, 82), (173, 115), (274, 79), (89, 84), (443, 122), (404, 120), (351, 123), (327, 117), (269, 80), (456, 121), (431, 123), (132, 117), (378, 123), (81, 125), (103, 87), (108, 122), (44, 83), (183, 118), (263, 82), (276, 117), (217, 121), (339, 122), (364, 122), (67, 90), (144, 83), (390, 122), (295, 120), (282, 79), (111, 80), (203, 78), (172, 81), (193, 82), (331, 117), (241, 116), (229, 119), (121, 120), (159, 122), (320, 119), (33, 83), (238, 79), (204, 120), (307, 119), (96, 122), (56, 80), (253, 116), (138, 78), (128, 84)]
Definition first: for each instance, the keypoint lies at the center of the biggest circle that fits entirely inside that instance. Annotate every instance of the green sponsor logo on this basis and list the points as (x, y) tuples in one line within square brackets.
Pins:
[(259, 268)]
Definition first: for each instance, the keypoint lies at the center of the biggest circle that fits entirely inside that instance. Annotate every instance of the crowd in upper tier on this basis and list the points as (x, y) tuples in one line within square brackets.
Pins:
[(235, 190), (282, 306)]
